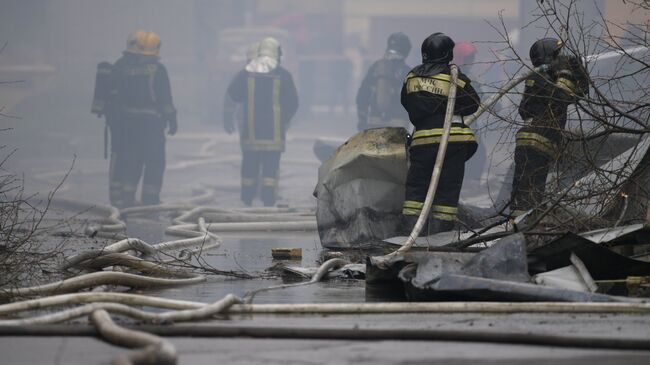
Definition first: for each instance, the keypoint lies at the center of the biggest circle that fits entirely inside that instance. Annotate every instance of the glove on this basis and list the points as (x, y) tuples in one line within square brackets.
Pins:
[(229, 125), (172, 127)]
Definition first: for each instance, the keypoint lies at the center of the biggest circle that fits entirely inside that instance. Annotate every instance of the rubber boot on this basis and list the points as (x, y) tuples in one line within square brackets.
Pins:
[(407, 223), (438, 225)]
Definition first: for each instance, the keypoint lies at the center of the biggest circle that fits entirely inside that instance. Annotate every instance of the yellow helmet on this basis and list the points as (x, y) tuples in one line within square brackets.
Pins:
[(144, 43), (132, 41), (270, 47)]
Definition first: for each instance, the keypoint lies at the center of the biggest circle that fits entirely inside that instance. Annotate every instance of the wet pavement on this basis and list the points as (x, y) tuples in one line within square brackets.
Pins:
[(251, 253), (197, 351), (197, 161)]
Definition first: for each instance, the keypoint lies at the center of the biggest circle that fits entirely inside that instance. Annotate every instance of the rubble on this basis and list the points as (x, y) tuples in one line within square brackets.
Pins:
[(570, 268), (360, 188)]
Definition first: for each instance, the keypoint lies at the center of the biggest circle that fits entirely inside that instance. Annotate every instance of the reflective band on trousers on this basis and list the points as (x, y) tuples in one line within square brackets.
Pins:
[(432, 136), (442, 212), (413, 204), (269, 181), (536, 141)]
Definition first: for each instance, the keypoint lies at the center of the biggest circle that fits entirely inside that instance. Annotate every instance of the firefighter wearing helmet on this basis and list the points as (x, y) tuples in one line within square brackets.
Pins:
[(135, 95), (559, 81), (424, 96), (269, 101), (378, 96)]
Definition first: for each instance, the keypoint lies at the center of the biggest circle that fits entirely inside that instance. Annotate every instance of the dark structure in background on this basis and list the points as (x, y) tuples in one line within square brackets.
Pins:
[(378, 96), (424, 96), (135, 95), (544, 111), (269, 100)]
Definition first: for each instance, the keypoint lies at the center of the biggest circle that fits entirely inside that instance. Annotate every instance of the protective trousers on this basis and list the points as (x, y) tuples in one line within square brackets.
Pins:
[(445, 202), (139, 151), (529, 181), (253, 163)]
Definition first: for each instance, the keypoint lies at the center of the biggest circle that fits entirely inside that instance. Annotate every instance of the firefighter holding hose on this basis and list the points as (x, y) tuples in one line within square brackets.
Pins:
[(543, 107), (424, 96)]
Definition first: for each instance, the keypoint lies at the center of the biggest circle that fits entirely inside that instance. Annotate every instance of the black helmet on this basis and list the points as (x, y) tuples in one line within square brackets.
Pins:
[(400, 43), (544, 51), (437, 48)]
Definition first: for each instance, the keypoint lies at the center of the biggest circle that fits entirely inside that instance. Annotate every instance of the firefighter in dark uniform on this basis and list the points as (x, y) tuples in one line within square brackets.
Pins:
[(424, 96), (269, 100), (140, 109), (543, 108), (378, 96)]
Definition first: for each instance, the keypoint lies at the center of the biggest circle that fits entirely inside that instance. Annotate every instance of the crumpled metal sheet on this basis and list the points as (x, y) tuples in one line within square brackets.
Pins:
[(617, 234), (566, 277), (499, 273), (360, 188), (505, 260), (461, 287)]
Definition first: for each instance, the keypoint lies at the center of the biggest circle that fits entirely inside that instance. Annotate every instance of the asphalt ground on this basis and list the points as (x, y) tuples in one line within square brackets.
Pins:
[(199, 161)]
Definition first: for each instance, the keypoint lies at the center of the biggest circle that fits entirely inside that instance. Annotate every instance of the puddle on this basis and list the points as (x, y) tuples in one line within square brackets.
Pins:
[(251, 253)]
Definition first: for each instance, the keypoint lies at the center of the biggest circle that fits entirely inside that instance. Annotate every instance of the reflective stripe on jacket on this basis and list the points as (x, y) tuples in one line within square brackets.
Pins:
[(269, 101), (459, 133)]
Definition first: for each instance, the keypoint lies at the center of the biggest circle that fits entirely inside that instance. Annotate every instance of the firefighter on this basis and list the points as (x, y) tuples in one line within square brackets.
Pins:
[(269, 100), (378, 96), (141, 108), (424, 96), (543, 108)]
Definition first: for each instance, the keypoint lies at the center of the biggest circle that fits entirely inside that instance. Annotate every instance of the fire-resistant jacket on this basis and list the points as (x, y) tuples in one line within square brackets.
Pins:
[(141, 88), (424, 95), (543, 107), (269, 102)]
